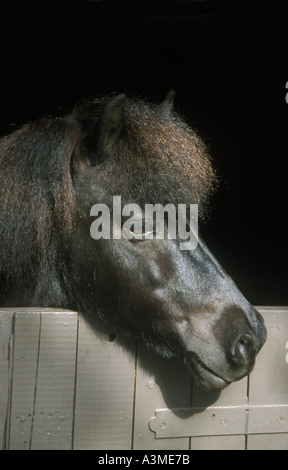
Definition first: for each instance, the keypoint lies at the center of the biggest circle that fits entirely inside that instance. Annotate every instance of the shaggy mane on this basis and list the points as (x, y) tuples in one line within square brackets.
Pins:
[(36, 196), (157, 159)]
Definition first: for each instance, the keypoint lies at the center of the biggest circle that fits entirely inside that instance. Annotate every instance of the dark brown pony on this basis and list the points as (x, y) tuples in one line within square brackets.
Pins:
[(181, 303)]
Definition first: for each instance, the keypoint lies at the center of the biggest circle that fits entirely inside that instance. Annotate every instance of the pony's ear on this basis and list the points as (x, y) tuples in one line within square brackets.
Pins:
[(101, 127), (110, 126), (167, 105)]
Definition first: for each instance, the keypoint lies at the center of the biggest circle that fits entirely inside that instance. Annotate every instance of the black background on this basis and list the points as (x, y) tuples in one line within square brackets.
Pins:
[(227, 61)]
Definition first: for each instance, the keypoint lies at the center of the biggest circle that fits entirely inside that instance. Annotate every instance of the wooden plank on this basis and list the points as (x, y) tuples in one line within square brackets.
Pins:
[(268, 419), (196, 421), (159, 383), (37, 391), (267, 442), (150, 396), (221, 421), (54, 402), (6, 317), (235, 395), (25, 361), (269, 380), (218, 443), (210, 421), (104, 393)]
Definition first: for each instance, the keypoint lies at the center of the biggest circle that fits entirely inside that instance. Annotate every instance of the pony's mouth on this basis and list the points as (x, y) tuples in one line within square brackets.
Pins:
[(203, 374)]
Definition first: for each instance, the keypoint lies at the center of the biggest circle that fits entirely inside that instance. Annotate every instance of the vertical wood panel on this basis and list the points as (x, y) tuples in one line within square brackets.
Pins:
[(62, 389), (268, 442), (25, 361), (6, 318), (269, 380), (234, 395), (54, 401), (218, 443), (104, 393), (269, 383), (159, 384)]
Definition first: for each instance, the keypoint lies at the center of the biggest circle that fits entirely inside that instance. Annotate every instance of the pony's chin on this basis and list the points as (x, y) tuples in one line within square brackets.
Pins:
[(209, 380), (203, 374)]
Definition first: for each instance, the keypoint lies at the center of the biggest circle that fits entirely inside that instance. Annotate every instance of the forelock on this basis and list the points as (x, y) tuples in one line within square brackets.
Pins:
[(166, 160)]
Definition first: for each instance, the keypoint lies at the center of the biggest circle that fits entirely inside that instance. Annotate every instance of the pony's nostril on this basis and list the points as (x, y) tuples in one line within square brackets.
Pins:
[(244, 351)]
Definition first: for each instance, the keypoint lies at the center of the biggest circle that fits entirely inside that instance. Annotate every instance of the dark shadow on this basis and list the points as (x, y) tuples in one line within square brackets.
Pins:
[(166, 372)]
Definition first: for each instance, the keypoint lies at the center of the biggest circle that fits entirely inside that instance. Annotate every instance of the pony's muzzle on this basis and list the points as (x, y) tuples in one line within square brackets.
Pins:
[(233, 355)]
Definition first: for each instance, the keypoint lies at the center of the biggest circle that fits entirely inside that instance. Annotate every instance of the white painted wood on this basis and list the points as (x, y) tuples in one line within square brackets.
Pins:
[(64, 388), (269, 380), (6, 317), (218, 443), (25, 363), (104, 393), (203, 422), (268, 442), (54, 395), (269, 384), (268, 419), (159, 382)]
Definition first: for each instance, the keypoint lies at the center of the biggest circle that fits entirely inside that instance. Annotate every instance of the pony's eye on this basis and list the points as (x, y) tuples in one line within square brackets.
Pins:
[(140, 229)]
